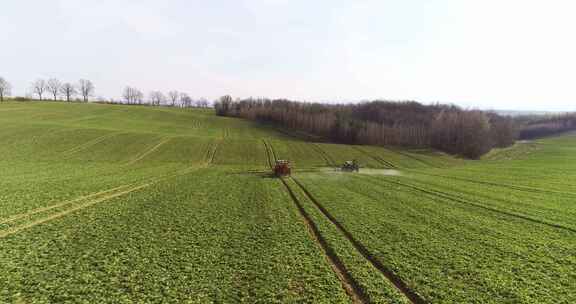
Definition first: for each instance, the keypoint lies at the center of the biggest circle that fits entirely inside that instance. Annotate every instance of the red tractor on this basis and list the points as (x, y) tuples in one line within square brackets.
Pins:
[(282, 168)]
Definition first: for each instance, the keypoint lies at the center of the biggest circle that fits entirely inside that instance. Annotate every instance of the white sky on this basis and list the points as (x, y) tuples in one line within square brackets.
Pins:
[(501, 54)]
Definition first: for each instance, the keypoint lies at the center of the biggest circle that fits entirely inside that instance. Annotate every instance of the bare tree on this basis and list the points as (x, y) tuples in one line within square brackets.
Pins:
[(157, 98), (224, 105), (86, 89), (132, 95), (127, 94), (5, 88), (202, 103), (53, 85), (67, 89), (39, 87), (139, 97), (173, 95), (185, 100), (182, 99)]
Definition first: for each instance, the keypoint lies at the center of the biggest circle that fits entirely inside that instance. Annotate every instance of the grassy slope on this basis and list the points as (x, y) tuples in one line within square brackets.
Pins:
[(497, 230), (492, 231)]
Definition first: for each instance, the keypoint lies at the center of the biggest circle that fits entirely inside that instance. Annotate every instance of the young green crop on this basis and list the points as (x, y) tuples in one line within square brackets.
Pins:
[(109, 203), (183, 239), (449, 251)]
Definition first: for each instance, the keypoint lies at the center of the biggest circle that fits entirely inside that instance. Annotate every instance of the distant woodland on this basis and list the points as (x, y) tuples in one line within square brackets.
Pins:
[(448, 128), (541, 126), (469, 133)]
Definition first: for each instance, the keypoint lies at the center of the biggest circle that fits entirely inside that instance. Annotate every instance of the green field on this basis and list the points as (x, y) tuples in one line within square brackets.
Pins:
[(134, 204)]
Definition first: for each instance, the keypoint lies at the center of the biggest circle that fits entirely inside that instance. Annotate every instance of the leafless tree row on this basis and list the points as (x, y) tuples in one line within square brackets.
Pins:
[(444, 127), (157, 98), (133, 95), (541, 126), (84, 88), (173, 98)]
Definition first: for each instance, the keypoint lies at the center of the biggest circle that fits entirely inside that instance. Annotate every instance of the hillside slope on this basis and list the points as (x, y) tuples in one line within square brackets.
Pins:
[(108, 203)]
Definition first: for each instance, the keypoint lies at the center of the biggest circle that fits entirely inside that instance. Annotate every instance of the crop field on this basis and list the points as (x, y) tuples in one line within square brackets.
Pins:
[(135, 204)]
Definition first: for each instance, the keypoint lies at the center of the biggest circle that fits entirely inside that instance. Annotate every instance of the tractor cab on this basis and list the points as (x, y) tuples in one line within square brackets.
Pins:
[(282, 168), (350, 166)]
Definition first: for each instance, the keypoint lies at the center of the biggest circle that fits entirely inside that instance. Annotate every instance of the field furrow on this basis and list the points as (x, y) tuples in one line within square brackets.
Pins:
[(503, 185), (385, 163), (126, 203), (455, 198), (148, 151), (87, 144), (356, 294), (269, 156), (32, 223), (432, 242), (329, 161), (413, 296), (57, 205)]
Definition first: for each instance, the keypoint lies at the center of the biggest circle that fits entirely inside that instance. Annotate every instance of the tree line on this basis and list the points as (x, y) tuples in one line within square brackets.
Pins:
[(540, 126), (55, 88), (174, 98), (469, 133), (85, 89)]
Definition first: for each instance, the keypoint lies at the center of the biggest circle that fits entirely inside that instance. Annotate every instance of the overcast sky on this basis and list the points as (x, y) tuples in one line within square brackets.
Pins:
[(500, 54)]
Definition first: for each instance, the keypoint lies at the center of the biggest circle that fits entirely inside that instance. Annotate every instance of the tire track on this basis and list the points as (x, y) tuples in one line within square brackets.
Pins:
[(506, 186), (376, 158), (12, 109), (349, 284), (428, 164), (389, 274), (454, 198), (148, 152), (268, 155), (211, 152), (34, 223), (88, 144), (329, 161), (207, 151), (108, 195), (225, 133), (57, 205), (273, 152), (351, 287)]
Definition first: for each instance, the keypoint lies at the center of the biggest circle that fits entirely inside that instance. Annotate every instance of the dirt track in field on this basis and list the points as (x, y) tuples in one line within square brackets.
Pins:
[(88, 144), (51, 217), (57, 205), (390, 275), (352, 288), (91, 199), (453, 198), (148, 152)]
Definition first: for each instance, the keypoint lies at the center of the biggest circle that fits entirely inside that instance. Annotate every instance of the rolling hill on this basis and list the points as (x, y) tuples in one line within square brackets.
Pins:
[(111, 203)]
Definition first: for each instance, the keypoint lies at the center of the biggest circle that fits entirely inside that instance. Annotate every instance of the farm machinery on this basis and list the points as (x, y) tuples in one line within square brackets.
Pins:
[(350, 166), (282, 168)]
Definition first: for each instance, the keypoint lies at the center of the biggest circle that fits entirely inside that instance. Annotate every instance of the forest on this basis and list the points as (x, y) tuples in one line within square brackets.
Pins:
[(445, 127), (448, 128), (540, 126)]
